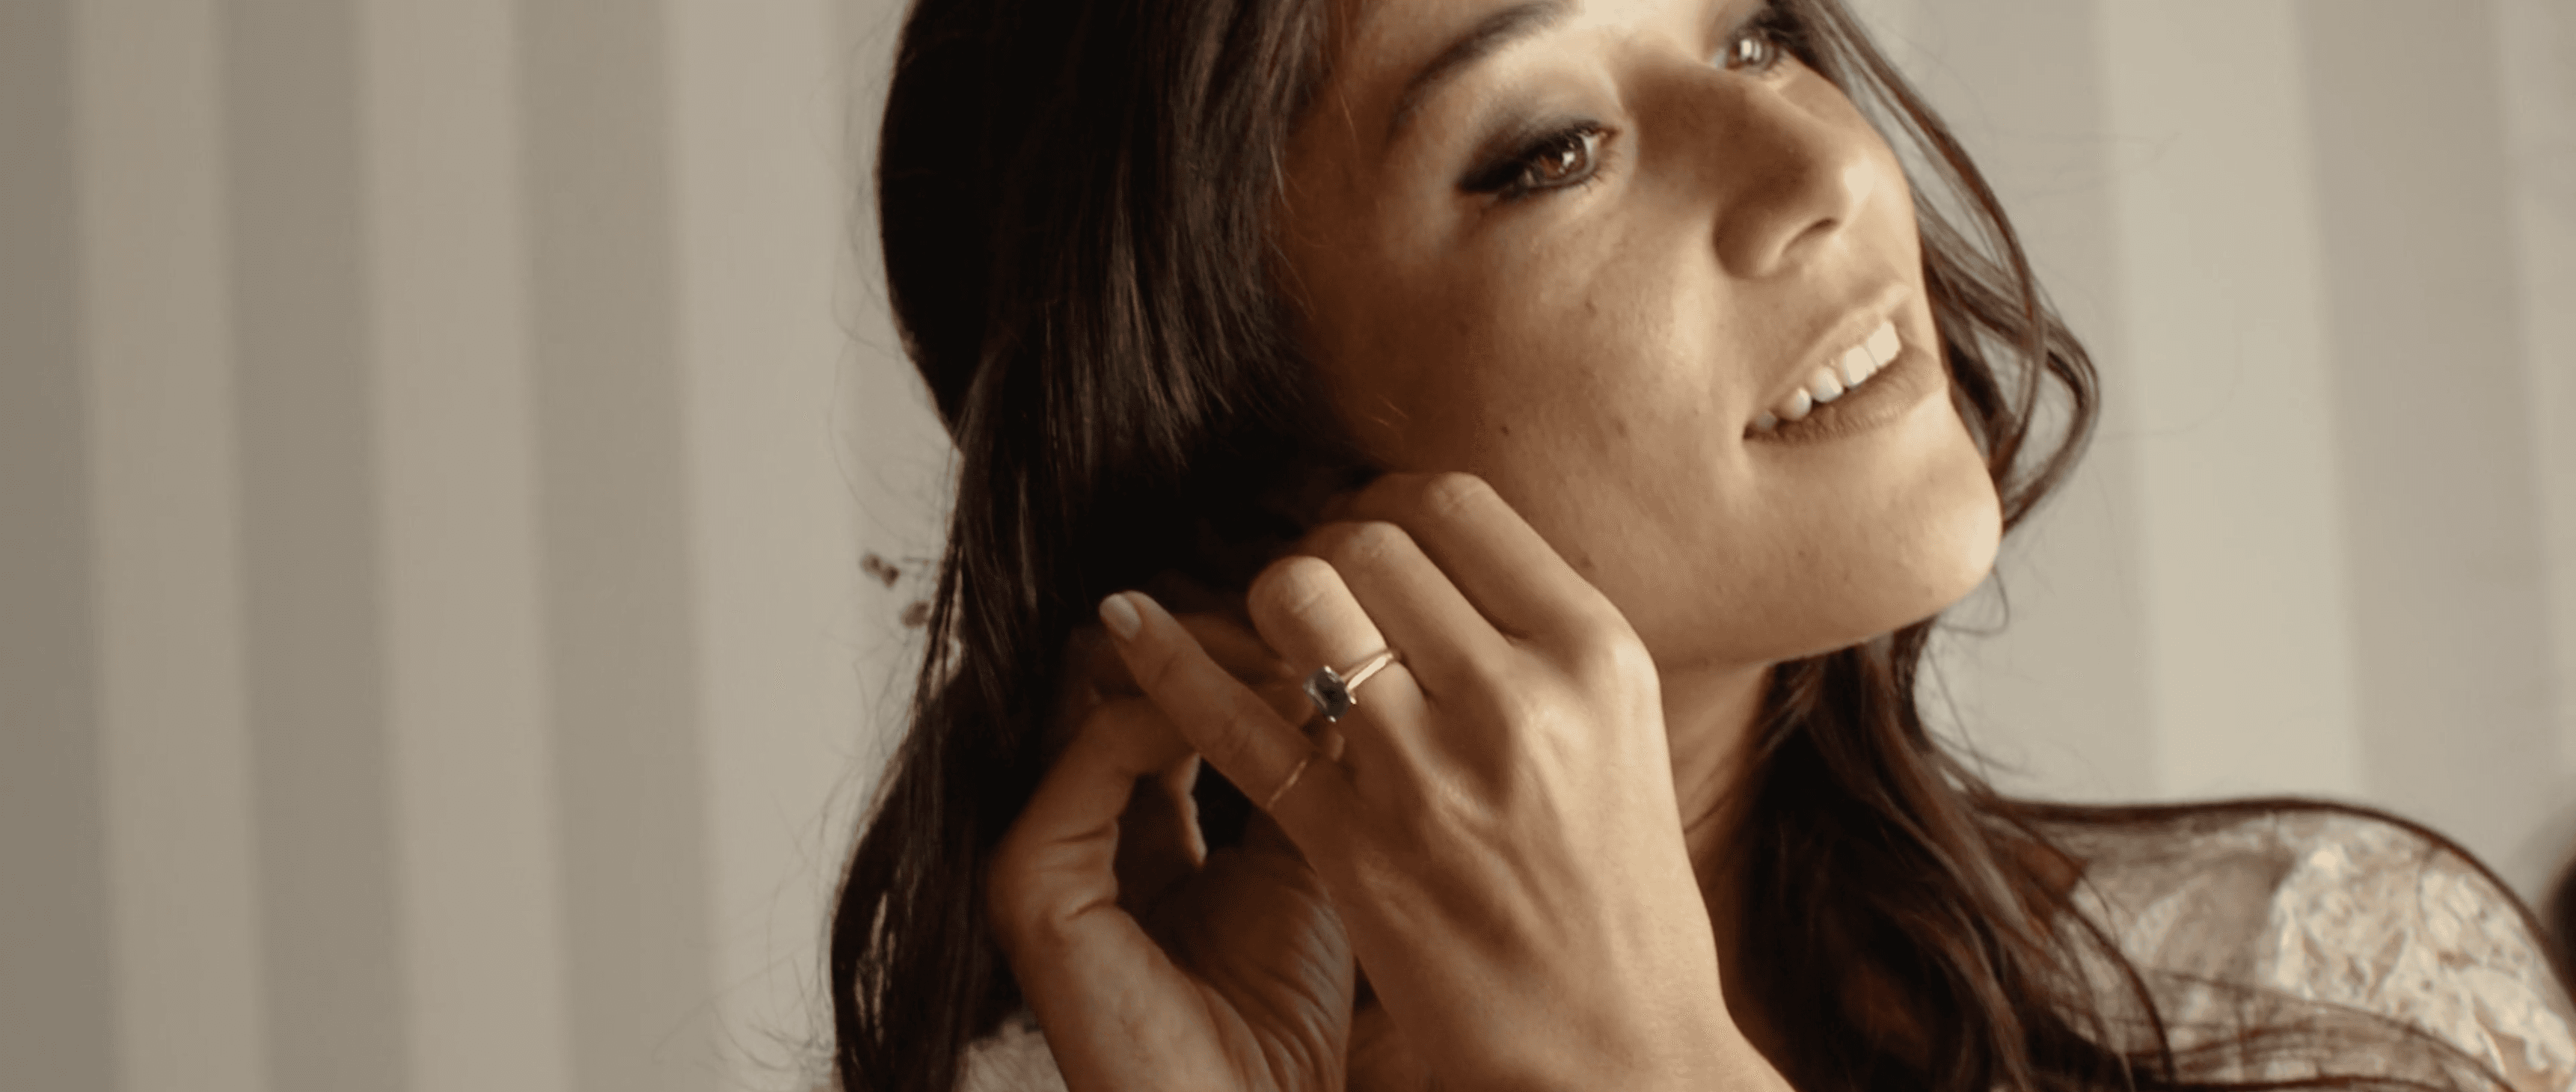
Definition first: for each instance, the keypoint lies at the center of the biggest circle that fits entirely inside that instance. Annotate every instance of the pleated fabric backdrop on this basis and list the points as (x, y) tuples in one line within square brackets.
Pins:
[(459, 493)]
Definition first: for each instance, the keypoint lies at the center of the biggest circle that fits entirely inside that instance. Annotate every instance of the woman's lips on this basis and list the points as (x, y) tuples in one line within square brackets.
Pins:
[(1883, 395), (1848, 371)]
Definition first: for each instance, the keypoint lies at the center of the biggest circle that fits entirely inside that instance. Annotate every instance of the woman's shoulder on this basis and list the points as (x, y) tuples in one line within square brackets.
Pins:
[(2327, 903)]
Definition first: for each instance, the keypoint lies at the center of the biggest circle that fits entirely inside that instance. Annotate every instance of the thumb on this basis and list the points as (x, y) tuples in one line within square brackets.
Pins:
[(1054, 871)]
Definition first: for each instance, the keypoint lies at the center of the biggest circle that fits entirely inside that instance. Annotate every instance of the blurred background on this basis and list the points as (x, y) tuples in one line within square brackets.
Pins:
[(460, 495)]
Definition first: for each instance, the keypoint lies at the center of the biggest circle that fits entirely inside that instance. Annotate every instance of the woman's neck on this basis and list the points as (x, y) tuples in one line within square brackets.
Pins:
[(1709, 720)]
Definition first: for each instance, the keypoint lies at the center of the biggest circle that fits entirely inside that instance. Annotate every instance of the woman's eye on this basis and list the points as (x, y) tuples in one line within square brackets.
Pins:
[(1564, 159), (1758, 47)]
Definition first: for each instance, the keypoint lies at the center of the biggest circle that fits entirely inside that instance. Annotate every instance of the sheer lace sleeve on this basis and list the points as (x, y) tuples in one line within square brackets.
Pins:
[(2357, 913), (2241, 920), (1014, 1058)]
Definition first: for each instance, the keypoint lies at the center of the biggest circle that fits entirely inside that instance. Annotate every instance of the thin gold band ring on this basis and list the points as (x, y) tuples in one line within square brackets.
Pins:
[(1330, 691)]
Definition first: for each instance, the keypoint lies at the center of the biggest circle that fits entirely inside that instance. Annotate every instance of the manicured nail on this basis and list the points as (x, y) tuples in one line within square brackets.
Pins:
[(1120, 616)]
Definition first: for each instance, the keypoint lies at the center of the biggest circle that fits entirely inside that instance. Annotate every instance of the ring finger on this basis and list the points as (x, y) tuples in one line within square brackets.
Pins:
[(1236, 729), (1306, 612)]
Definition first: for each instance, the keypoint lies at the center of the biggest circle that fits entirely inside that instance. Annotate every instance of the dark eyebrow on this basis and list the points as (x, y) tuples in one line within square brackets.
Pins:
[(1483, 40)]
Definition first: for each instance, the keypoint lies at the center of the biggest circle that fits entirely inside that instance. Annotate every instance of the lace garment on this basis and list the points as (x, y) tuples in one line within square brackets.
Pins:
[(2349, 924)]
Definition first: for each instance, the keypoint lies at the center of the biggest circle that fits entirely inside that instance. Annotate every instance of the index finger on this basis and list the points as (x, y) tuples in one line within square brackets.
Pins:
[(1233, 728), (1494, 557), (1092, 658)]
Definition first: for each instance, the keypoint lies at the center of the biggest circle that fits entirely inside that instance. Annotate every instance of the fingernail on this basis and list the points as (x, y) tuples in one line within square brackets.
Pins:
[(1120, 616)]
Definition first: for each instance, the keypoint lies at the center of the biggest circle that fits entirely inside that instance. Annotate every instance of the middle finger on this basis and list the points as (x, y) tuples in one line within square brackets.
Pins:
[(1450, 646)]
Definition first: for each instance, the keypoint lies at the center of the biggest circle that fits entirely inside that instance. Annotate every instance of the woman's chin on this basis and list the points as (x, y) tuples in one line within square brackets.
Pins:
[(1918, 531), (1952, 551), (1959, 553), (1947, 535), (1898, 573)]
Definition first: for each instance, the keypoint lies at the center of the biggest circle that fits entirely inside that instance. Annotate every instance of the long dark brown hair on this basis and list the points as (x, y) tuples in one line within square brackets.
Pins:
[(1074, 198)]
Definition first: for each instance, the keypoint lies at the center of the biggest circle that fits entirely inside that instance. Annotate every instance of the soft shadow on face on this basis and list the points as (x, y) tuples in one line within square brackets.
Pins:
[(1587, 265)]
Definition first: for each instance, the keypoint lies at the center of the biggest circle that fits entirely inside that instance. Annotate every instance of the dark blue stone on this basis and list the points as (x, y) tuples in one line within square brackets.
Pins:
[(1325, 689)]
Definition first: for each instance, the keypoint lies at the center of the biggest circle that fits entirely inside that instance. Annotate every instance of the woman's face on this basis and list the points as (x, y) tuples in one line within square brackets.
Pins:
[(1581, 248)]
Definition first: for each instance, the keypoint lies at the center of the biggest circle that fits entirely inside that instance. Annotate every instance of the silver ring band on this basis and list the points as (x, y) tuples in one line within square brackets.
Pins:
[(1330, 690)]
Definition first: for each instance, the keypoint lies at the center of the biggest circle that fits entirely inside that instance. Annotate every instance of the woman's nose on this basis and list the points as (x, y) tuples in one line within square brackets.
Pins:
[(1798, 166)]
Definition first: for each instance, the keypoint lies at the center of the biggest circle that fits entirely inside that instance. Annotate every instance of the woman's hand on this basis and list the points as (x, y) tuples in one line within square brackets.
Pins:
[(1500, 836), (1150, 962)]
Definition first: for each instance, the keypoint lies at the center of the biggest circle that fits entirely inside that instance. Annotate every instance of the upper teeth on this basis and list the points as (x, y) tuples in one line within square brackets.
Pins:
[(1831, 379)]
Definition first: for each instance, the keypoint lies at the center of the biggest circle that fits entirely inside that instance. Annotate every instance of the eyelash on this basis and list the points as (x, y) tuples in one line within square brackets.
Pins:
[(1516, 175), (1769, 26)]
